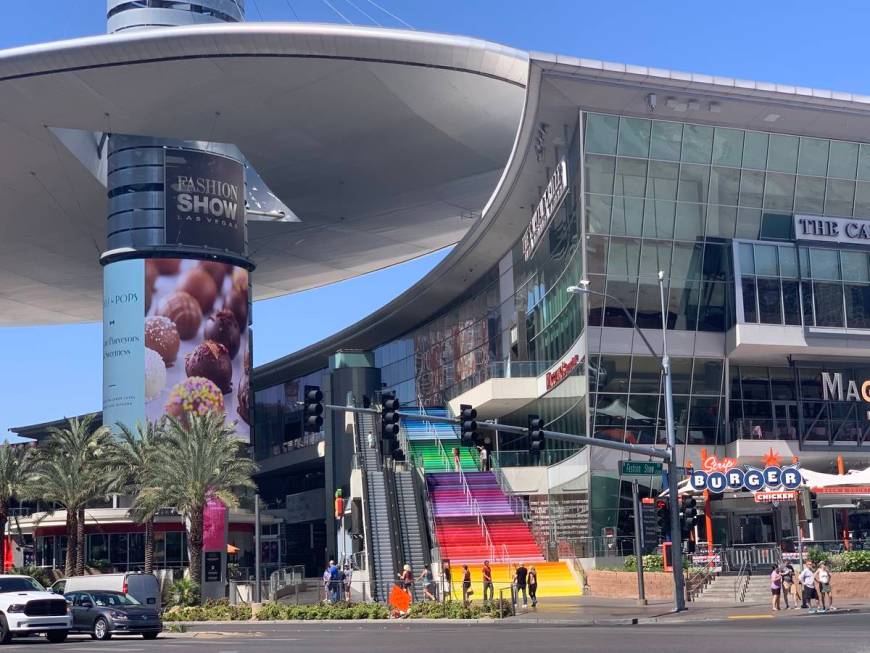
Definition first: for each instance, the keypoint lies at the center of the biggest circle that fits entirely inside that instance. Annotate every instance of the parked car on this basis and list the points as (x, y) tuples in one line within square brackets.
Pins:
[(26, 607), (105, 613), (145, 588)]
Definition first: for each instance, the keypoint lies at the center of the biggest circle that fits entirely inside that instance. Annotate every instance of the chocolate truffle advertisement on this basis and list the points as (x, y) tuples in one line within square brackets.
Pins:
[(194, 338)]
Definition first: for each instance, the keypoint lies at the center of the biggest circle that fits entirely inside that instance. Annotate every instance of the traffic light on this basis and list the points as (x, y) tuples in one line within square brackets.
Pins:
[(663, 517), (467, 425), (814, 505), (537, 442), (389, 416), (688, 514), (313, 411)]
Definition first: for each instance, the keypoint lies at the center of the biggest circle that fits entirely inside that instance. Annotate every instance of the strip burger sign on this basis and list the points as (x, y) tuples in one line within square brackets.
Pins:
[(725, 475)]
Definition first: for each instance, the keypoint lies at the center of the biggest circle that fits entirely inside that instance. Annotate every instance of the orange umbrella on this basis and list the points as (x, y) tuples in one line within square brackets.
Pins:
[(400, 599)]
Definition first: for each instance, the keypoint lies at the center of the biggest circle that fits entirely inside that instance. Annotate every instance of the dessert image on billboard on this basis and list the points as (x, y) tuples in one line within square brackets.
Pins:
[(197, 340)]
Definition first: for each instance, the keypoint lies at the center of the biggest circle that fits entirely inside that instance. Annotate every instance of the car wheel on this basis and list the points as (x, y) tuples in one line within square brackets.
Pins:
[(5, 634), (101, 629), (150, 635), (56, 636)]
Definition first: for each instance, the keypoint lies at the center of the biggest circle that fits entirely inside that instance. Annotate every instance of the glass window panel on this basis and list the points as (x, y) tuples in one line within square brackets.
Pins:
[(829, 304), (717, 262), (596, 301), (839, 197), (864, 162), (857, 306), (862, 200), (694, 180), (711, 312), (598, 209), (727, 147), (137, 548), (630, 177), (734, 374), (782, 155), (807, 302), (686, 262), (623, 257), (750, 312), (824, 263), (755, 384), (689, 221), (655, 256), (697, 144), (809, 195), (681, 375), (779, 192), (804, 262), (788, 262), (658, 221), (748, 223), (600, 173), (782, 383), (765, 260), (649, 307), (813, 158), (684, 298), (596, 254), (627, 216), (625, 291), (662, 182), (854, 266), (634, 137), (747, 260), (601, 133), (118, 549), (173, 548), (721, 221), (755, 150), (646, 375), (666, 140), (769, 304), (751, 188), (844, 160), (724, 185), (778, 226), (791, 302)]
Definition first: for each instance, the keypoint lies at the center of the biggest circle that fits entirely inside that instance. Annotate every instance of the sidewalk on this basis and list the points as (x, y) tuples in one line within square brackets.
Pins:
[(588, 610)]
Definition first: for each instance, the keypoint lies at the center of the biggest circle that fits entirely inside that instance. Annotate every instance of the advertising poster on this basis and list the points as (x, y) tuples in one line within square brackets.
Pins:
[(205, 200), (191, 349)]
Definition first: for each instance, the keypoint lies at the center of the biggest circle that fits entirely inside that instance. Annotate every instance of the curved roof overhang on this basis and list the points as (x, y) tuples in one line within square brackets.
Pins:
[(386, 143), (559, 87)]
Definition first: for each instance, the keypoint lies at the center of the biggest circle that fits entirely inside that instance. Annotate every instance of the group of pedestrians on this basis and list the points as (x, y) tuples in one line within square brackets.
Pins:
[(812, 587), (524, 582), (336, 582)]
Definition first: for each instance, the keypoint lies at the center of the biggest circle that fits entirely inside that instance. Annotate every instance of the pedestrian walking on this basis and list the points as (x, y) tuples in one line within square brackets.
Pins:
[(787, 573), (484, 458), (370, 439), (466, 585), (823, 578), (807, 579), (520, 578), (533, 585), (488, 587), (456, 460), (407, 580), (327, 577), (775, 587), (428, 579), (446, 580)]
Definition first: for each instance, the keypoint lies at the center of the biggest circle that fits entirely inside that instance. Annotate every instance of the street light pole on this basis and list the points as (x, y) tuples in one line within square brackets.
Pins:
[(676, 539)]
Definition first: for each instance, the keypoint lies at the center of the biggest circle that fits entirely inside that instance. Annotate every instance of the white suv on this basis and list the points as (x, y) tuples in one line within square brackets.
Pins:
[(26, 607)]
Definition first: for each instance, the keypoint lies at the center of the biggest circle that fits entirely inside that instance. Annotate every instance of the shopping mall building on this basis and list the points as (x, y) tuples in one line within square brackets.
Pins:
[(362, 148)]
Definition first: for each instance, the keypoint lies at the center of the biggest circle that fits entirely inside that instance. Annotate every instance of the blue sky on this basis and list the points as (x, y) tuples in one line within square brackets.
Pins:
[(55, 371)]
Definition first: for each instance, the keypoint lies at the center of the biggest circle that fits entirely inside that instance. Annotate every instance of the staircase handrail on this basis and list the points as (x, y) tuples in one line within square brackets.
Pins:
[(742, 582), (443, 453), (518, 506), (477, 512)]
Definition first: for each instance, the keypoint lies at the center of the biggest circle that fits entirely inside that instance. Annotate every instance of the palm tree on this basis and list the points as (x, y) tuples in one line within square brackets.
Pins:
[(132, 454), (198, 459), (15, 467), (70, 470)]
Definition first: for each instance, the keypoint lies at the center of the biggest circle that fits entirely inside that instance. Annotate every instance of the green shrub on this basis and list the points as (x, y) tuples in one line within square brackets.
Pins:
[(817, 555), (854, 561), (183, 593), (652, 562), (38, 573), (217, 611), (272, 612)]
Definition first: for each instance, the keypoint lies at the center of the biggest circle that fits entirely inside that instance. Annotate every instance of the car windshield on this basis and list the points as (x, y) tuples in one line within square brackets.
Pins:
[(113, 599), (19, 584)]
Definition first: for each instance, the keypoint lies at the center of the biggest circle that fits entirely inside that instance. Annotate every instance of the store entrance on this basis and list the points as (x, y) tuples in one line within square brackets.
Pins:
[(785, 420), (753, 528)]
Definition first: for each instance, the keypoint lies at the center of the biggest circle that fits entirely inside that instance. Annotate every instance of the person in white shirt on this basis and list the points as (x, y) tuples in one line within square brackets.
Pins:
[(807, 579), (823, 578), (370, 438)]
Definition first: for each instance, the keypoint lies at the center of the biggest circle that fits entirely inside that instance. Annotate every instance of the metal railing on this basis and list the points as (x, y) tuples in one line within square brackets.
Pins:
[(753, 556), (477, 513), (741, 584), (697, 579), (517, 504), (525, 459)]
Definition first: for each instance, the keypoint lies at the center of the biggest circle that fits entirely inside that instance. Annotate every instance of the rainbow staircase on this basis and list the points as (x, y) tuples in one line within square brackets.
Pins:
[(503, 537)]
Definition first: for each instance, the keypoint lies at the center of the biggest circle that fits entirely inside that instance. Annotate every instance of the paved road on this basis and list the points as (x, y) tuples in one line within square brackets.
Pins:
[(844, 633)]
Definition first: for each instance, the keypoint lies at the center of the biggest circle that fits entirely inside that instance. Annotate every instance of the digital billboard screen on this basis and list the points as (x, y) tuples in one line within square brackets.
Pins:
[(177, 340)]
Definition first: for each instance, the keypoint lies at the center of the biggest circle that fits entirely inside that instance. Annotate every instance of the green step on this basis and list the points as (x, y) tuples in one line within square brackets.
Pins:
[(427, 452)]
